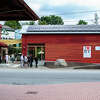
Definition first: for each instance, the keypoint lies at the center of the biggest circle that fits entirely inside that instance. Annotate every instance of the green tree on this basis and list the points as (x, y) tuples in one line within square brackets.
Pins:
[(29, 23), (42, 22), (13, 24), (82, 22), (51, 20)]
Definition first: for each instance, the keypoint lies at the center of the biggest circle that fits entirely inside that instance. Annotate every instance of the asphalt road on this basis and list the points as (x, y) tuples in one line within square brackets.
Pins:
[(38, 77)]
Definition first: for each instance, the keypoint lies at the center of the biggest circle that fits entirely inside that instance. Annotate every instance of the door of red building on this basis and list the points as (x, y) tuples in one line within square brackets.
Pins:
[(37, 50)]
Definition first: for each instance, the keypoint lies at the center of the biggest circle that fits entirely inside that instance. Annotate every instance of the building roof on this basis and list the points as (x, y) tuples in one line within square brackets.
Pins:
[(7, 28), (61, 29), (16, 10)]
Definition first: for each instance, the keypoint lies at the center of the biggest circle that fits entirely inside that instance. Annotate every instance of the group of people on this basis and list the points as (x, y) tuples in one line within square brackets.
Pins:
[(7, 58), (28, 61)]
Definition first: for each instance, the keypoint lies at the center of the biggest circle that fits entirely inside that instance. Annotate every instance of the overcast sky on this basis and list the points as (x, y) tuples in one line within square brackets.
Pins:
[(70, 10)]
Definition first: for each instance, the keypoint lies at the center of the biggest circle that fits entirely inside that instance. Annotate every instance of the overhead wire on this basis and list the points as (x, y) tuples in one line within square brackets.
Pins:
[(76, 12)]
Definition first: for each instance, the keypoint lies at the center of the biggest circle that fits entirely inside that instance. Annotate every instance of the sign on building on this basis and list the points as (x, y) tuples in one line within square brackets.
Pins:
[(86, 51), (97, 48)]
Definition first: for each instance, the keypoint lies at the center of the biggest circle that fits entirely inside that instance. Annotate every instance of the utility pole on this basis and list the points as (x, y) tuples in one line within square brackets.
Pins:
[(96, 19)]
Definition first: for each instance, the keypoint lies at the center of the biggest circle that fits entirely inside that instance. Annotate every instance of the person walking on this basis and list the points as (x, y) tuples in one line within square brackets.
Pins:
[(7, 58), (31, 60), (0, 59), (36, 62), (28, 62), (12, 58), (25, 61), (22, 61)]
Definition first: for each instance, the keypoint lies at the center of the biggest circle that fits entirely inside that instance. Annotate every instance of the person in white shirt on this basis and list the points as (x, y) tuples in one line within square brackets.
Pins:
[(12, 58), (22, 60), (25, 61), (7, 58)]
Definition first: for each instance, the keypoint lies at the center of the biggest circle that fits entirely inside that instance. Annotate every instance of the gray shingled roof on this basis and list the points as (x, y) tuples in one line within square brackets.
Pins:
[(33, 29)]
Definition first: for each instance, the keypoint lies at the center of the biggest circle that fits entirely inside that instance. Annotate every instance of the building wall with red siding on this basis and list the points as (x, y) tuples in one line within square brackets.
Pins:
[(68, 47)]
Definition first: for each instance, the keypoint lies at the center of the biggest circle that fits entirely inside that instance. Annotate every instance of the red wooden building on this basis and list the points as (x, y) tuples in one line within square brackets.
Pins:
[(77, 43)]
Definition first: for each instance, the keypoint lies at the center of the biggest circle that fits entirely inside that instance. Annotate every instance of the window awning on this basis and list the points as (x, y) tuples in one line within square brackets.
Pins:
[(3, 45), (16, 10), (10, 42)]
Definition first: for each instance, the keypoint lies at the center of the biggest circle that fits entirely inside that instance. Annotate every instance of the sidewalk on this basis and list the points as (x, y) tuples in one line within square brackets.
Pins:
[(69, 91), (17, 65), (10, 65)]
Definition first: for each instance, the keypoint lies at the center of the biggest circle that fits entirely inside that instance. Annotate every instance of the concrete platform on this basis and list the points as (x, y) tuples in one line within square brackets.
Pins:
[(69, 91), (72, 65), (10, 65)]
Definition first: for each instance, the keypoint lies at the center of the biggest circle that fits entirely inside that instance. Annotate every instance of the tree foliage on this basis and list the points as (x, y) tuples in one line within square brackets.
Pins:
[(42, 22), (29, 23), (12, 50), (51, 20), (82, 22), (13, 24)]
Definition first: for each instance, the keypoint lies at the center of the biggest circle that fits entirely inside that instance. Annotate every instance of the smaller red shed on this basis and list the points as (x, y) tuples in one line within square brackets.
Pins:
[(78, 43)]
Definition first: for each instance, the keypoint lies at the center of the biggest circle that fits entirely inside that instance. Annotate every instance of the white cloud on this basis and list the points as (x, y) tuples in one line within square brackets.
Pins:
[(88, 18), (90, 3), (58, 2), (37, 4), (94, 3), (64, 6), (2, 22), (34, 6)]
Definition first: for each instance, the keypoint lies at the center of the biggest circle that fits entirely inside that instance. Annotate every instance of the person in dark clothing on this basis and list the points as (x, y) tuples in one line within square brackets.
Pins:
[(28, 61), (0, 59), (36, 62), (31, 60)]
